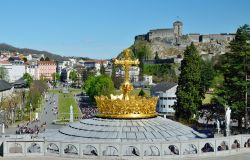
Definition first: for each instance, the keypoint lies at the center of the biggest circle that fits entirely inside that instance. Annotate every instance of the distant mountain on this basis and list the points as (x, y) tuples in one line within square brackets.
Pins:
[(27, 51)]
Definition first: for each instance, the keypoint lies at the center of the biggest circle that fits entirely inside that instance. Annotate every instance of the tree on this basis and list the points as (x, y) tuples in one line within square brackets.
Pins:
[(142, 51), (102, 69), (142, 93), (117, 80), (235, 67), (55, 78), (100, 85), (41, 59), (37, 89), (25, 59), (188, 91), (88, 72), (207, 76), (157, 56), (73, 76), (28, 79), (47, 59), (3, 74)]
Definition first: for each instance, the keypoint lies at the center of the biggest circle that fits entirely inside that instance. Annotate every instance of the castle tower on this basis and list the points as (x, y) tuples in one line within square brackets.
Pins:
[(178, 28)]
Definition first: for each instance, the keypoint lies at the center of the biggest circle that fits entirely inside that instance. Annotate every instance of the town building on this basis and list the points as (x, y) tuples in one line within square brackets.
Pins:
[(46, 69), (15, 69), (96, 64), (134, 72), (167, 98), (32, 69)]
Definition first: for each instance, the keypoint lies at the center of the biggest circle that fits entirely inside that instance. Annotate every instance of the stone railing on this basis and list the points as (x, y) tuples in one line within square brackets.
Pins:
[(128, 150)]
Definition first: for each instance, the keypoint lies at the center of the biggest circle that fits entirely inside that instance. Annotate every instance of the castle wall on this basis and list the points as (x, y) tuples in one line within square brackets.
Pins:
[(217, 37), (194, 37), (161, 33)]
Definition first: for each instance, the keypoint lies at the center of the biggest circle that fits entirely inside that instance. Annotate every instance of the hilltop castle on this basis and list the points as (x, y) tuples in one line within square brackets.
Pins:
[(174, 36)]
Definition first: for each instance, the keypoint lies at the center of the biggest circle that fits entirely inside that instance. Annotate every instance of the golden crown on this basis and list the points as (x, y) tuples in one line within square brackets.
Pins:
[(125, 106)]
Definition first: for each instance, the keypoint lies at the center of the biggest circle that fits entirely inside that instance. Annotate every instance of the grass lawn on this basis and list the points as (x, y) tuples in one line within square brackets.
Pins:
[(53, 91), (207, 99), (65, 100), (75, 90)]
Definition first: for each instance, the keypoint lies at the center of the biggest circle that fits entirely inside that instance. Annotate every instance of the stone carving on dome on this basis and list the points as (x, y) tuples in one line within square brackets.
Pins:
[(53, 148), (71, 149), (132, 151), (34, 148), (190, 149), (15, 148), (110, 151), (208, 147), (152, 151), (223, 146), (90, 150), (172, 150), (247, 143), (236, 144)]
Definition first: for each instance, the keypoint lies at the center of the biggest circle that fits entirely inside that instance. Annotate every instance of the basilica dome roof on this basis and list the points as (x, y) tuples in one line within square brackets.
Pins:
[(119, 130)]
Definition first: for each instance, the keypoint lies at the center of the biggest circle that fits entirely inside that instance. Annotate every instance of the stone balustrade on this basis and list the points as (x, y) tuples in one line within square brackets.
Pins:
[(127, 150)]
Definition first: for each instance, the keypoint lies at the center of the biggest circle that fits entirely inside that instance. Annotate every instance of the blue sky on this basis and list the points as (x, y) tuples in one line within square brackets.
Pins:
[(103, 28)]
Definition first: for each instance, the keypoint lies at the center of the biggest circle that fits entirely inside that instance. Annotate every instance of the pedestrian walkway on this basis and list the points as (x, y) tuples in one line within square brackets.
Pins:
[(47, 116)]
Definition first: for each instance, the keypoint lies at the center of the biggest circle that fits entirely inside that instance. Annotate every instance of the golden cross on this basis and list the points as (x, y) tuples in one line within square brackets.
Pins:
[(126, 62)]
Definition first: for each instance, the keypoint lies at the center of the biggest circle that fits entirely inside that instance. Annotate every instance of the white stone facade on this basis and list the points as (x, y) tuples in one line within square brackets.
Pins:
[(15, 70)]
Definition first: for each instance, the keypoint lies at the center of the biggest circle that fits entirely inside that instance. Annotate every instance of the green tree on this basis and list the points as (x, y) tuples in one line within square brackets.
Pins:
[(157, 56), (142, 93), (142, 51), (4, 74), (55, 78), (235, 67), (28, 79), (100, 85), (102, 69), (207, 76), (25, 59), (47, 59), (41, 59), (73, 76), (88, 72), (188, 91), (117, 80)]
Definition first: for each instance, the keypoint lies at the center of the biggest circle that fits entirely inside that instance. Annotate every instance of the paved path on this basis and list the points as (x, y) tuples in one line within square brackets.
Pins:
[(49, 110), (47, 114)]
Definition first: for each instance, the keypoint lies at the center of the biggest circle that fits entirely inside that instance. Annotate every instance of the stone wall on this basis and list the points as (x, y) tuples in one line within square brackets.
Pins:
[(128, 150)]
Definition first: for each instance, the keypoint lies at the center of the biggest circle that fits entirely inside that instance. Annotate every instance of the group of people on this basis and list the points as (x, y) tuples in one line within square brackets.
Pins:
[(89, 112), (32, 127)]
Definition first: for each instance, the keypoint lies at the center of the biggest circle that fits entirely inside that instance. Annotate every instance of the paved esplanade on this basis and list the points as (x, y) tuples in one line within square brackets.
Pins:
[(116, 130), (48, 114)]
